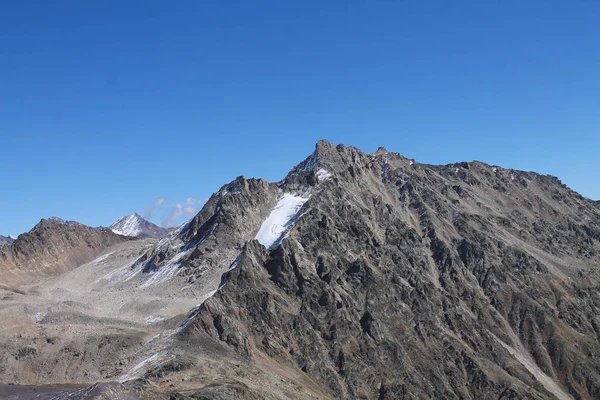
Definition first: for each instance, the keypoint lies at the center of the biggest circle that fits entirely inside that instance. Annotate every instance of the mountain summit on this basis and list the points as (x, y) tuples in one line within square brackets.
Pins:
[(136, 226), (357, 276)]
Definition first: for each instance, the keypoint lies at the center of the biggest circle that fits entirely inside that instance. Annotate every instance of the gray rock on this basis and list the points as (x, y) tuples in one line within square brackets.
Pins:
[(405, 280), (5, 240)]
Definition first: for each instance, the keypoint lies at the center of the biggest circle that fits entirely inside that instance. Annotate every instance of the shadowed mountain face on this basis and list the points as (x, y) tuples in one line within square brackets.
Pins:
[(357, 276), (52, 247), (136, 226)]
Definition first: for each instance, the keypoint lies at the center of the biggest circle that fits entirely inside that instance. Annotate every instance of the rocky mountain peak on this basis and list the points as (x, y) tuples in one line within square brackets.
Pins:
[(394, 260), (60, 221), (5, 240), (357, 276), (380, 150), (136, 226), (324, 158), (56, 220)]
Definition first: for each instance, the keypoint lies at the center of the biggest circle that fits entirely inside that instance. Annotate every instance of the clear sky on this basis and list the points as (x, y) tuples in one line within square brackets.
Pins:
[(107, 106)]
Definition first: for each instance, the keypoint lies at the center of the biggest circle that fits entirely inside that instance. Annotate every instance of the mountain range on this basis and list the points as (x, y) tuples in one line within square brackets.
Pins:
[(357, 276)]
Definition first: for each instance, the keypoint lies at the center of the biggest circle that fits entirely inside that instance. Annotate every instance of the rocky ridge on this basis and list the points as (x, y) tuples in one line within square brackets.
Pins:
[(373, 276), (52, 247), (408, 280), (4, 240)]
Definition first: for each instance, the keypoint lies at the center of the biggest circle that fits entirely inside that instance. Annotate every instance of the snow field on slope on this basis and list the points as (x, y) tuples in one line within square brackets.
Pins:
[(129, 228), (281, 218)]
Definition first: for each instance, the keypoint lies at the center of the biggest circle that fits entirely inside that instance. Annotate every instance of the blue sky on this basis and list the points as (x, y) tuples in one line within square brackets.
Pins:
[(107, 106)]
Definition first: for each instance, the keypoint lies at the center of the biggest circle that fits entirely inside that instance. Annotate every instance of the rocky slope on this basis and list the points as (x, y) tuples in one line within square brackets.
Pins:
[(404, 280), (359, 275), (136, 226), (53, 246)]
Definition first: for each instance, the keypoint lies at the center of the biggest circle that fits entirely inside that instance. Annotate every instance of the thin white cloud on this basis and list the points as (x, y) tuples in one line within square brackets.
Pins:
[(189, 210), (181, 210), (149, 211)]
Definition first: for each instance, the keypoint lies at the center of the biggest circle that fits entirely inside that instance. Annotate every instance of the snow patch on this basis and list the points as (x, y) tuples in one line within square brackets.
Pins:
[(165, 272), (154, 318), (135, 372), (546, 381), (323, 175), (281, 219), (235, 262), (100, 259), (170, 240), (124, 273), (39, 316), (179, 229)]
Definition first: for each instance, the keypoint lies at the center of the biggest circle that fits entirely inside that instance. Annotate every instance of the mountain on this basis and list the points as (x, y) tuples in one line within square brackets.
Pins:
[(136, 226), (52, 247), (356, 276), (381, 277), (4, 240)]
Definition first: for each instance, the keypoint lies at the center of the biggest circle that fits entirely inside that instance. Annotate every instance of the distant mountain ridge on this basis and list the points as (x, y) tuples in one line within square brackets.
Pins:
[(53, 246), (136, 226)]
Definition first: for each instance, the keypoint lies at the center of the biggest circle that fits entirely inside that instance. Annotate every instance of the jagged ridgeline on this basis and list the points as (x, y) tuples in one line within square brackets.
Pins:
[(4, 240), (358, 276)]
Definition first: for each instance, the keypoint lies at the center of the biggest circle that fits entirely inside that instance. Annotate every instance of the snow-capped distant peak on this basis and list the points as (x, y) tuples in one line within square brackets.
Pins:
[(129, 225), (283, 216), (135, 225)]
